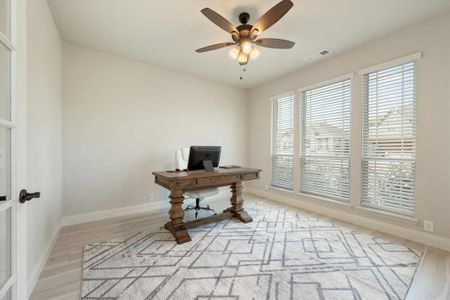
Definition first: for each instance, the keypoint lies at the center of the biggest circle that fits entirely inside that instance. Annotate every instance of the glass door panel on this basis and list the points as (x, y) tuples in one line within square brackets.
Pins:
[(5, 164), (5, 245), (6, 213), (5, 82)]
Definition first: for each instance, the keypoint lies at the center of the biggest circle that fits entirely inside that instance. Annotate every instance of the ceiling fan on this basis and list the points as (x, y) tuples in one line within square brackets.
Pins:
[(245, 35)]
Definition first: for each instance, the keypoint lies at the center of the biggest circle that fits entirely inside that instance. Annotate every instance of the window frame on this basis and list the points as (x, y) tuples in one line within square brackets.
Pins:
[(272, 99), (330, 81), (412, 58)]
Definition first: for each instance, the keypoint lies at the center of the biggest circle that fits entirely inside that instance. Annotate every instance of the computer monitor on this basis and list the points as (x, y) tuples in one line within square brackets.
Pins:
[(199, 154)]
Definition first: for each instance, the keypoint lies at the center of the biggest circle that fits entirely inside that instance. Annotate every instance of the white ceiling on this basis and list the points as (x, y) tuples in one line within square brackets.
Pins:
[(165, 33)]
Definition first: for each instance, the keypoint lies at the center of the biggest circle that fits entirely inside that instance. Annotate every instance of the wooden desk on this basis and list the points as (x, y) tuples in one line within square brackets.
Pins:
[(180, 182)]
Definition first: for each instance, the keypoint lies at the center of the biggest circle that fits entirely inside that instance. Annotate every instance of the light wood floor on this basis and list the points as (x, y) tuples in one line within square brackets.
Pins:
[(61, 277)]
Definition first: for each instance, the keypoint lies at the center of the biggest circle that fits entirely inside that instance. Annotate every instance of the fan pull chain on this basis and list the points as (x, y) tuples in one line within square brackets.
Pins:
[(242, 75)]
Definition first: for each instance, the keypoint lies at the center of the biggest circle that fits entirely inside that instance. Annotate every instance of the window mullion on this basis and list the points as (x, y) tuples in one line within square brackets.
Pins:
[(297, 136)]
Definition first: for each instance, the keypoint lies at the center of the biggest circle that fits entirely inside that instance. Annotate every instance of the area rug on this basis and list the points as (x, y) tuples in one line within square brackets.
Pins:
[(282, 254)]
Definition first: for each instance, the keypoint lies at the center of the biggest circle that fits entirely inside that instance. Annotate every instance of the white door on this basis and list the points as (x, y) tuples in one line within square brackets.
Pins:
[(9, 204)]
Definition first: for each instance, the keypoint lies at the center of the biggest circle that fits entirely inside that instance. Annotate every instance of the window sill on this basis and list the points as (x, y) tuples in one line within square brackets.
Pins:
[(393, 216), (344, 204), (272, 188), (363, 209)]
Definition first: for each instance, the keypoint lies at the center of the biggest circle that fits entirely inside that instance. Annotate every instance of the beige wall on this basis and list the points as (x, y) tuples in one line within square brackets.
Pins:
[(433, 127), (44, 139), (124, 119)]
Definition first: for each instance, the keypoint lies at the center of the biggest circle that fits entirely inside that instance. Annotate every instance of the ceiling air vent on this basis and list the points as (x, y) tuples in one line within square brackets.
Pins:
[(317, 55)]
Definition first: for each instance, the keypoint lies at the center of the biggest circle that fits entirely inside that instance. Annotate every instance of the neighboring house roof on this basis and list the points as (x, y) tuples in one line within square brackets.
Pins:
[(407, 113), (327, 130)]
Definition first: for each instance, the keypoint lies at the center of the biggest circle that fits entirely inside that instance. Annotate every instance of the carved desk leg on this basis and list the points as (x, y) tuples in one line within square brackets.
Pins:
[(176, 213), (236, 203)]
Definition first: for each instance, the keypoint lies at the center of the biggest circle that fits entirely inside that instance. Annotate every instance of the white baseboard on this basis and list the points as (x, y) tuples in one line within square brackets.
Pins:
[(123, 211), (112, 213), (348, 216), (43, 260)]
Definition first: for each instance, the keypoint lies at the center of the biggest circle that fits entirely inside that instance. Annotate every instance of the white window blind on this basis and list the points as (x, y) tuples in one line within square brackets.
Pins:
[(389, 139), (325, 141), (283, 142)]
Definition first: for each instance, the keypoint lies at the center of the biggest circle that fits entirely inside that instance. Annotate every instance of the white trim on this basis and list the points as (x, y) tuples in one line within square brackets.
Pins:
[(327, 82), (90, 217), (282, 95), (274, 188), (316, 197), (33, 279), (398, 61), (18, 219), (127, 210), (271, 100), (364, 221), (374, 211), (112, 213), (297, 142)]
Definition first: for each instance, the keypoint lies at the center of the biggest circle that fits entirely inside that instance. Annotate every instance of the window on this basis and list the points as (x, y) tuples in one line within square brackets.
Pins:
[(389, 139), (325, 141), (283, 142)]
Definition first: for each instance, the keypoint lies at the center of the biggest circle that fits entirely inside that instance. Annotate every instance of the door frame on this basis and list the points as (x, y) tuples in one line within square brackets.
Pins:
[(19, 110)]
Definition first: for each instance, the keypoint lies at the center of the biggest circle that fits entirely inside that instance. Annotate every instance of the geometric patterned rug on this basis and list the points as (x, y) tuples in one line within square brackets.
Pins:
[(282, 254)]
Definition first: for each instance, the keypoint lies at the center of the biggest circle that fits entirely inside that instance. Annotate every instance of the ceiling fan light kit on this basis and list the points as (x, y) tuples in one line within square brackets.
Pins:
[(254, 53), (234, 52), (245, 35), (243, 58)]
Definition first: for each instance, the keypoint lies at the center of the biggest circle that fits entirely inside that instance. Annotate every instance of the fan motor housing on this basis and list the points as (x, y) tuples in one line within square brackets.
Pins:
[(244, 30)]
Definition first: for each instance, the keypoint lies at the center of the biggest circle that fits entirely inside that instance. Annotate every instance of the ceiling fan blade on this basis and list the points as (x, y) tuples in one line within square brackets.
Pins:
[(214, 47), (219, 20), (273, 15), (275, 43)]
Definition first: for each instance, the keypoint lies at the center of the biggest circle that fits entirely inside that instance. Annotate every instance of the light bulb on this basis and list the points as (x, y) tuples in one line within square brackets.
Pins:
[(234, 52), (246, 47), (254, 53), (243, 58)]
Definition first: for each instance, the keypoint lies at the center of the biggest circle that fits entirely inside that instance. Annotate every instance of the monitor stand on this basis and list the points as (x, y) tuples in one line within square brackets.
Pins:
[(208, 165)]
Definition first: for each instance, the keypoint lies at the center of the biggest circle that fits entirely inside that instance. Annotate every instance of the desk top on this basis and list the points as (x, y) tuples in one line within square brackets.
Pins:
[(195, 180), (202, 173)]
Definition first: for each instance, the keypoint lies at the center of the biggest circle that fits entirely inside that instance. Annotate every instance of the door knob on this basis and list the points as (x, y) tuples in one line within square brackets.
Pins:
[(24, 196)]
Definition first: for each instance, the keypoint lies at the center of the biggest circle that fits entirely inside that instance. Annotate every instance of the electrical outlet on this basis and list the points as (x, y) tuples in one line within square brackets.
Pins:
[(428, 225), (150, 197)]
